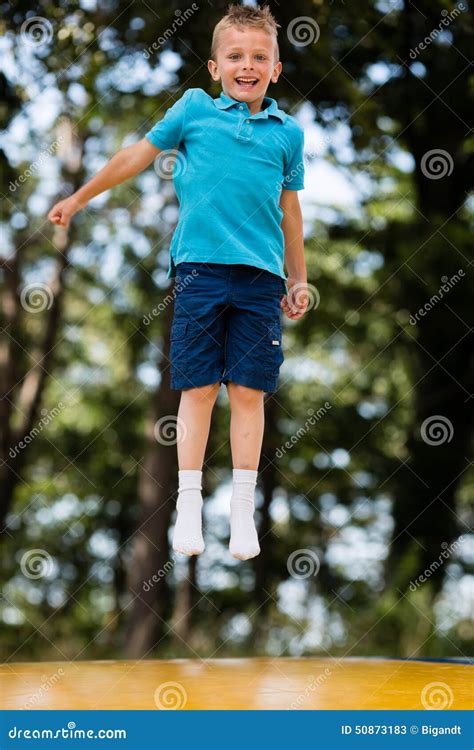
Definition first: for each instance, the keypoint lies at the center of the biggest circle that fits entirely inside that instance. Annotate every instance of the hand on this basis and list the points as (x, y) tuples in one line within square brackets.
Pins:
[(62, 212), (294, 303)]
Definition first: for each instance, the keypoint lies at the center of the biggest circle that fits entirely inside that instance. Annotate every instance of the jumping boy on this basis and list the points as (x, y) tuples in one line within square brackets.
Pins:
[(239, 167)]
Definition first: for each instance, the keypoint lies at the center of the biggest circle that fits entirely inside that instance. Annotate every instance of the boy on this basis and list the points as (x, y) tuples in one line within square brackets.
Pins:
[(239, 167)]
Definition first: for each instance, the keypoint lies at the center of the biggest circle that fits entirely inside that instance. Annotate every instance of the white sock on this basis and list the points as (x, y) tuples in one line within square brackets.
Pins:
[(187, 534), (243, 534)]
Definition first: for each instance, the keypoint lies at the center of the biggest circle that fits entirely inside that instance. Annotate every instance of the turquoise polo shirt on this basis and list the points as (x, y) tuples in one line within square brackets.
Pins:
[(229, 172)]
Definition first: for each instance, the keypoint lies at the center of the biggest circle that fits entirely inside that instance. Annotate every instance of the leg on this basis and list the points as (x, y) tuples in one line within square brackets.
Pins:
[(195, 411), (247, 424)]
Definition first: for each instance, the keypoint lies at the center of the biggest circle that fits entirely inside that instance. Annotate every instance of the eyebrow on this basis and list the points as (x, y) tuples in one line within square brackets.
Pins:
[(238, 49)]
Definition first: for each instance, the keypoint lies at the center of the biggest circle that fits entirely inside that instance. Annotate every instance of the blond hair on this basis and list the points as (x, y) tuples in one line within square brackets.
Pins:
[(246, 16)]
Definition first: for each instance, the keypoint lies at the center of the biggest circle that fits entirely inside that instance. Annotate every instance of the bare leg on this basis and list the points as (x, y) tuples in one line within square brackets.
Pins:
[(194, 414), (246, 425)]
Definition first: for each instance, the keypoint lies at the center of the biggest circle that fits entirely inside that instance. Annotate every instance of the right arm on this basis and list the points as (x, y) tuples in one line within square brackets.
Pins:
[(126, 163)]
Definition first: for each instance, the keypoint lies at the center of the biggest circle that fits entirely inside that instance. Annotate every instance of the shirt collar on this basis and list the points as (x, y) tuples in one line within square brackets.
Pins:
[(270, 106)]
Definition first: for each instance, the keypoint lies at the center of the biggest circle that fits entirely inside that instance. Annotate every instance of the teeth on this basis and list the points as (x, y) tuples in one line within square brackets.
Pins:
[(247, 80)]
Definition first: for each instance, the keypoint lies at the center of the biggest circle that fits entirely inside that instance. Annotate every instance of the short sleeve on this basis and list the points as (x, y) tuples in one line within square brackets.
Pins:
[(293, 178), (168, 131)]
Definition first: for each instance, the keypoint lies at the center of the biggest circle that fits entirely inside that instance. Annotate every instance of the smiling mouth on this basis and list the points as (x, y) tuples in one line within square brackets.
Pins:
[(246, 83)]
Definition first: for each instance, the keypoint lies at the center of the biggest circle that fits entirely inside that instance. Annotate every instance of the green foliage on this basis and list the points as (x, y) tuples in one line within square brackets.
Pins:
[(358, 486)]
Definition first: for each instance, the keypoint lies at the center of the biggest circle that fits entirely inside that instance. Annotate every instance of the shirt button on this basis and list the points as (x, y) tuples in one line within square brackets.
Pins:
[(240, 107), (247, 120)]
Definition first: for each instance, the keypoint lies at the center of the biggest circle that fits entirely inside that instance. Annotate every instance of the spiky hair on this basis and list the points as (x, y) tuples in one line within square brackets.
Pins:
[(246, 16)]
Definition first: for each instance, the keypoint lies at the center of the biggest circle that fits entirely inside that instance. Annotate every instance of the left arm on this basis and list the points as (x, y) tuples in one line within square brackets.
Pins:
[(294, 305)]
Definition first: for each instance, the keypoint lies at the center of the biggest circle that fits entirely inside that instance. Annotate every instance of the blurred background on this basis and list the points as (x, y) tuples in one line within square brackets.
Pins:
[(364, 499)]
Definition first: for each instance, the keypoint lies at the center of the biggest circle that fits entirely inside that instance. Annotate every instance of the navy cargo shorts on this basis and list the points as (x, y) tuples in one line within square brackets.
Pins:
[(226, 326)]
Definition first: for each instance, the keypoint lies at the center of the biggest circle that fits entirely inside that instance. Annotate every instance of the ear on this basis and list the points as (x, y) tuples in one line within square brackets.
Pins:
[(276, 72), (213, 70)]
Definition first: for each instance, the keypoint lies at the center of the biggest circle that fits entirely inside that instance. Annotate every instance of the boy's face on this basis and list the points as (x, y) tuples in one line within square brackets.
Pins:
[(248, 53)]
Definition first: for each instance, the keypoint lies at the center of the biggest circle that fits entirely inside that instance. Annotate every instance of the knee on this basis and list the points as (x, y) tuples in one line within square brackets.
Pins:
[(205, 393), (242, 394)]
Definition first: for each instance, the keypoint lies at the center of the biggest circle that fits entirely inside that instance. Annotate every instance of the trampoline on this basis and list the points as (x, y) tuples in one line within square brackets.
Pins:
[(249, 683)]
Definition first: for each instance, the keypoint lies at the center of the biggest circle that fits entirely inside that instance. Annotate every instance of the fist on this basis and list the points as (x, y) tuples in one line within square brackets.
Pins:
[(295, 303), (62, 212)]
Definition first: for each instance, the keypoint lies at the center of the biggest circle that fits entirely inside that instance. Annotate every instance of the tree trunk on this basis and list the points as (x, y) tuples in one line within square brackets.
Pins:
[(151, 603), (22, 392)]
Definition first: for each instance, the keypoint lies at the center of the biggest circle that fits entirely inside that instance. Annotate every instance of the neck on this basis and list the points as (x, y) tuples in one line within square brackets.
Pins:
[(254, 107)]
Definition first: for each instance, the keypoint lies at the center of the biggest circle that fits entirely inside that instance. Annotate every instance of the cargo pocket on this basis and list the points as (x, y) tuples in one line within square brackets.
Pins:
[(273, 349), (178, 329)]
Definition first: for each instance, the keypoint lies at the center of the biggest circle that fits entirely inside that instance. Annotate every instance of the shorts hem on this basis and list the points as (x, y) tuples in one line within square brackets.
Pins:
[(177, 384), (269, 385)]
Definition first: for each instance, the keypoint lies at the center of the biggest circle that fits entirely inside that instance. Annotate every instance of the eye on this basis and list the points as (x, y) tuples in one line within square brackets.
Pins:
[(262, 57), (233, 56)]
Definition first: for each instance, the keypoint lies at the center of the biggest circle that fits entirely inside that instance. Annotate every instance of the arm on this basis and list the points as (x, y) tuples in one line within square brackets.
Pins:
[(126, 163), (294, 305)]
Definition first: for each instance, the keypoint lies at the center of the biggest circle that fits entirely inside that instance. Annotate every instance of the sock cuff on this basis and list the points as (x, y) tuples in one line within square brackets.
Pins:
[(189, 474), (190, 479), (245, 475)]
